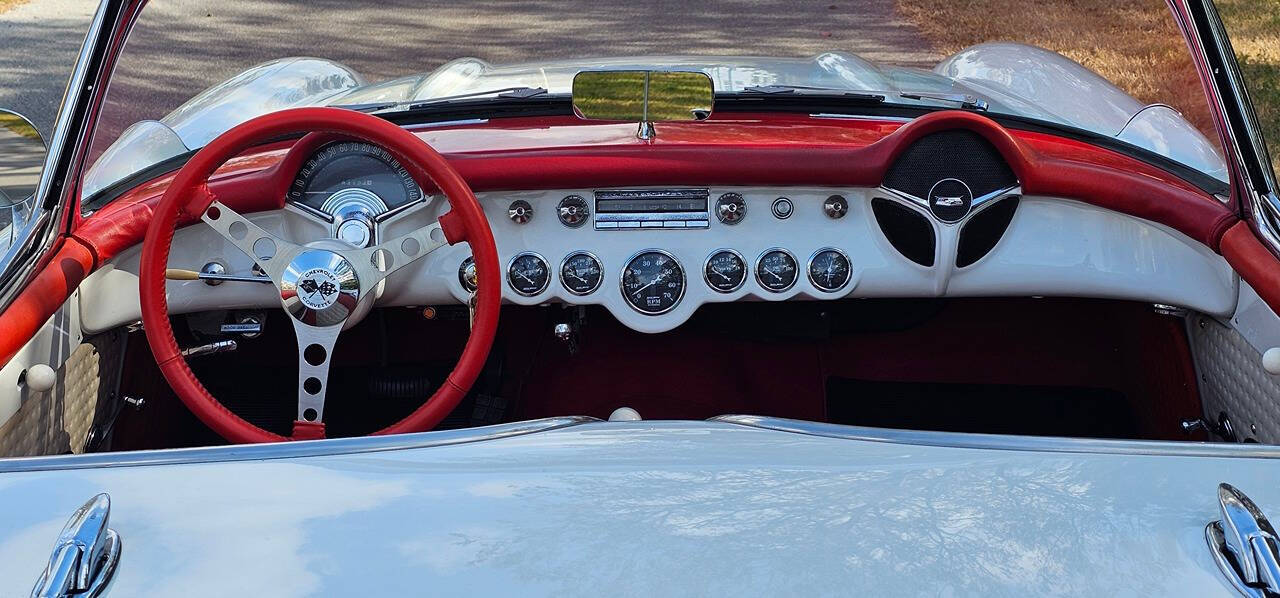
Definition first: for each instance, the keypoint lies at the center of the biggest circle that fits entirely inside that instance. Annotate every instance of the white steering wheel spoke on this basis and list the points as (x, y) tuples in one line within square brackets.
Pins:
[(315, 353), (375, 263), (270, 252)]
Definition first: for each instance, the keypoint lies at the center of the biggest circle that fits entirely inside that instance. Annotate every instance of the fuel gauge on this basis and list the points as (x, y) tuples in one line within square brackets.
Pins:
[(528, 274)]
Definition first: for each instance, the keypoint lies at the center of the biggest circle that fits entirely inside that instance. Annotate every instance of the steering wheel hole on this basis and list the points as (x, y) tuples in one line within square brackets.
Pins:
[(315, 354)]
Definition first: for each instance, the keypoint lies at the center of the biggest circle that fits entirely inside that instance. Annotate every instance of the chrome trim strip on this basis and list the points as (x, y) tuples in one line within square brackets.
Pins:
[(900, 119), (290, 450), (976, 205), (1005, 442)]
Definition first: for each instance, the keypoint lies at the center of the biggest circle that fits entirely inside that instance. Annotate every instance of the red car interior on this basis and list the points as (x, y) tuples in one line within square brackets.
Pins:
[(745, 149)]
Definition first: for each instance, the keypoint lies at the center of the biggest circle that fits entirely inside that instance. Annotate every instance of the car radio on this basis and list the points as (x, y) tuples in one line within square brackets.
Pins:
[(651, 208)]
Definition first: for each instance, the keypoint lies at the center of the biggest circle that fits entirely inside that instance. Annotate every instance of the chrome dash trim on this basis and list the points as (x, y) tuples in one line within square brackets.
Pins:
[(1004, 442), (290, 450), (897, 119)]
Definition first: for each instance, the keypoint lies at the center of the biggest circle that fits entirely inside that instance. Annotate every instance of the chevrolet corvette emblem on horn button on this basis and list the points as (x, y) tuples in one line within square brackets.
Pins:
[(318, 288), (950, 199)]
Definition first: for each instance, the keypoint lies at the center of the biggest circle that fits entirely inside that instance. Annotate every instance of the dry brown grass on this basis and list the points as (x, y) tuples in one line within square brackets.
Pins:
[(7, 4), (1133, 43)]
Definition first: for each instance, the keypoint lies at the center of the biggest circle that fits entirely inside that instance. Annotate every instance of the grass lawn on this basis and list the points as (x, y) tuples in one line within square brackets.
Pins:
[(1133, 43)]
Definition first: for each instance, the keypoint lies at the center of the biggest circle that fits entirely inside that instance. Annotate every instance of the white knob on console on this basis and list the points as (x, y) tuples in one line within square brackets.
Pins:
[(1271, 361), (39, 377)]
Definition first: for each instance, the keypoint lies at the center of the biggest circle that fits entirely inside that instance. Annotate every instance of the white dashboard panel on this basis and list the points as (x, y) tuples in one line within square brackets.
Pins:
[(1053, 247)]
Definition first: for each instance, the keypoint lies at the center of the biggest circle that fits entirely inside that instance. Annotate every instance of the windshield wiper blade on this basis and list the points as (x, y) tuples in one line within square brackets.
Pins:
[(965, 101), (518, 93), (810, 90)]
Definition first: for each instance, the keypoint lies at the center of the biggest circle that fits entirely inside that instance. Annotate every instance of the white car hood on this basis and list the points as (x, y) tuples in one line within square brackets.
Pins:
[(649, 508)]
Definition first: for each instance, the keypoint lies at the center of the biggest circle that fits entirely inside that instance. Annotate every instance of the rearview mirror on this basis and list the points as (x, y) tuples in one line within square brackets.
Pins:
[(642, 96), (22, 152)]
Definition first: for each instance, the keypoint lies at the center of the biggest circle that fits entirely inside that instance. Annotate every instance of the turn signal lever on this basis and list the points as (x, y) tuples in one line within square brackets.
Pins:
[(211, 277)]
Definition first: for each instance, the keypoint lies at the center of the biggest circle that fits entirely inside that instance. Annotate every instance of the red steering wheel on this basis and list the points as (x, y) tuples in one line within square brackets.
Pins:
[(321, 283)]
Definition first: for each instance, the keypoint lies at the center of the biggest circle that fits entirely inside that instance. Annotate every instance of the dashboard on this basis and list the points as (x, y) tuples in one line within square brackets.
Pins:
[(652, 255)]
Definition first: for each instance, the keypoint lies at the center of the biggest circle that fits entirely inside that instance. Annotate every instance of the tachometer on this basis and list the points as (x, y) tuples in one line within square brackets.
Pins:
[(776, 270), (653, 282), (353, 165)]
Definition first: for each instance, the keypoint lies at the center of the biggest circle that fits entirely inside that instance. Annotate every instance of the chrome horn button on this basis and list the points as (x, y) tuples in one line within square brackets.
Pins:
[(320, 288)]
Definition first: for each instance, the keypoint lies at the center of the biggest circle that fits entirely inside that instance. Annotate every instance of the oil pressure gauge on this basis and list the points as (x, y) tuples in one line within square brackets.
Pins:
[(829, 269), (527, 274), (776, 270)]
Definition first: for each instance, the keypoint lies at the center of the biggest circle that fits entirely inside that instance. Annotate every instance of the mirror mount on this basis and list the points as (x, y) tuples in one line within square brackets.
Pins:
[(645, 97)]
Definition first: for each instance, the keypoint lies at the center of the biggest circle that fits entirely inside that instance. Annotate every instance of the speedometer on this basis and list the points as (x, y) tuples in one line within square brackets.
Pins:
[(653, 282), (353, 165)]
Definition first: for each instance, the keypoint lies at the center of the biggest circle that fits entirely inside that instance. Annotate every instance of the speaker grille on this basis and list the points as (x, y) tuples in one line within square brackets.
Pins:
[(907, 230), (957, 154), (981, 233)]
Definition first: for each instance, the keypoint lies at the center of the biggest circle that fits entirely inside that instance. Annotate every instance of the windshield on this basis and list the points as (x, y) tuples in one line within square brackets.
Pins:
[(190, 71)]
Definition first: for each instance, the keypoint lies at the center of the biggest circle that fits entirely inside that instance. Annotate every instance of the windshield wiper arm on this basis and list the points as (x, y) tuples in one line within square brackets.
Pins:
[(504, 92), (965, 101), (810, 90)]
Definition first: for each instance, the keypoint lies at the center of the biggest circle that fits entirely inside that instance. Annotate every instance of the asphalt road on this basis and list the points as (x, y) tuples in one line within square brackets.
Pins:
[(181, 47)]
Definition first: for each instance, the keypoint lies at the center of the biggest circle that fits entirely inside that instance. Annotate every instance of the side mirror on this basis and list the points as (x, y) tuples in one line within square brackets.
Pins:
[(642, 96), (22, 153)]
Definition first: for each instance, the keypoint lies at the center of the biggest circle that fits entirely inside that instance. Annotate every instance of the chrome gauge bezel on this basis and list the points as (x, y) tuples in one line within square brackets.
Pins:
[(564, 283), (760, 270), (808, 270), (622, 281), (545, 284), (462, 274), (706, 278)]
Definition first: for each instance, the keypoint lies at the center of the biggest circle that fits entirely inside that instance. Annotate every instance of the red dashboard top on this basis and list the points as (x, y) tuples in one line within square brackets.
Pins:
[(734, 149)]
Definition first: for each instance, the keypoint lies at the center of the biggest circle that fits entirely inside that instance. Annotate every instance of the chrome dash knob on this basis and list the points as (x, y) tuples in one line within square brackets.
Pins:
[(520, 211)]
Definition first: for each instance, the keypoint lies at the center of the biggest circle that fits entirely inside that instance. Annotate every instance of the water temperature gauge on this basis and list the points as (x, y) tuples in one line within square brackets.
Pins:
[(581, 273)]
